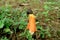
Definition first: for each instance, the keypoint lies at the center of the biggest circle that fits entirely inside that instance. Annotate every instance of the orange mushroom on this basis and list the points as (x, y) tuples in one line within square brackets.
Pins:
[(31, 25)]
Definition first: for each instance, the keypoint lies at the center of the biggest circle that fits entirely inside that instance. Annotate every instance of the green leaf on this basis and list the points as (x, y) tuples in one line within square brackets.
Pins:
[(42, 35), (6, 30), (50, 3), (1, 24), (49, 35), (28, 35), (45, 13), (21, 27), (46, 7), (8, 22), (4, 38)]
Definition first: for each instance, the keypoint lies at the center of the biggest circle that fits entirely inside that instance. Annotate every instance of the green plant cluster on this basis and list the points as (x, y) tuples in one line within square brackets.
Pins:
[(11, 19)]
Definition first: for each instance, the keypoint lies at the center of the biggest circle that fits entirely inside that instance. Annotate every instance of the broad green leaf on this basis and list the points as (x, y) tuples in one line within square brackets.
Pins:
[(1, 24), (6, 30)]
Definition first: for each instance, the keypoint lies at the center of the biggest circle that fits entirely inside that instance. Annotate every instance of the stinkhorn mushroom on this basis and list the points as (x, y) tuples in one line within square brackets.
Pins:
[(31, 25)]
